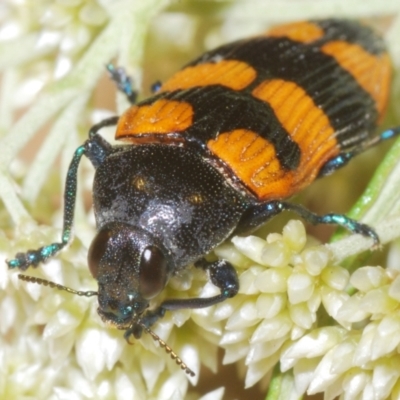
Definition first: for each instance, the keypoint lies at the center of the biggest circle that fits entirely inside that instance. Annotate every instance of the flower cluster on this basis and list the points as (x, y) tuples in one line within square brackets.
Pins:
[(295, 307)]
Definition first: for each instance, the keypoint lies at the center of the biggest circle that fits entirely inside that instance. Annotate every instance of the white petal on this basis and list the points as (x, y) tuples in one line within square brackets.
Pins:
[(216, 394), (303, 373), (250, 246), (294, 234), (394, 290), (81, 385), (174, 388), (323, 375), (386, 337), (269, 305), (296, 333), (245, 316), (4, 273), (8, 312), (105, 389), (179, 317), (61, 347), (63, 322), (342, 358), (315, 259), (335, 277), (368, 392), (368, 278), (275, 254), (236, 351), (333, 300), (363, 351), (301, 316), (316, 343), (248, 279), (273, 280), (377, 301), (202, 318), (234, 336), (354, 383), (351, 310), (88, 351), (333, 391), (288, 363), (259, 370), (124, 388), (229, 253), (314, 302), (274, 328), (263, 350), (112, 346), (225, 309), (151, 366), (66, 394), (385, 376), (300, 287)]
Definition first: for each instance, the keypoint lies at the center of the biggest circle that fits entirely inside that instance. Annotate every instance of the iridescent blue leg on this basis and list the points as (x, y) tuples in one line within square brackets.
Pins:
[(96, 149), (259, 214), (34, 257), (342, 159)]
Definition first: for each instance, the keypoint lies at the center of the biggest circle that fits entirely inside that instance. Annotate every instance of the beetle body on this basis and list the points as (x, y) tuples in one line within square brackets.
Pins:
[(216, 151), (173, 198)]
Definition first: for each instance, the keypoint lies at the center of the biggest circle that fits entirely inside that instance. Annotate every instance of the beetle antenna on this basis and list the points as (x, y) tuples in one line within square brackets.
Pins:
[(54, 285), (89, 293), (168, 349)]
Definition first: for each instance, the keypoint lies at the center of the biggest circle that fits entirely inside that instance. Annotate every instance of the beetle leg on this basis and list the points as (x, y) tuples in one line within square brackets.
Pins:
[(259, 214), (102, 124), (123, 82), (222, 275), (155, 87), (35, 257), (95, 148), (342, 159), (335, 163)]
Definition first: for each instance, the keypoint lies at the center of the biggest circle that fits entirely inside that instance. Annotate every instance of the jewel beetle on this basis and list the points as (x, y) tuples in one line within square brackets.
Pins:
[(215, 152)]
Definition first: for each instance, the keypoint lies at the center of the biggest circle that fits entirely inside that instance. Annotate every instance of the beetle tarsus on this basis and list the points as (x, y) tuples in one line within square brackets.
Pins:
[(33, 258), (332, 219), (222, 275), (123, 82)]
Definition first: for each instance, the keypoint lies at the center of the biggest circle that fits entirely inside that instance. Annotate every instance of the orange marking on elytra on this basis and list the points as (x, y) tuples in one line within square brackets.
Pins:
[(372, 72), (305, 122), (159, 118), (303, 32), (253, 158), (233, 74)]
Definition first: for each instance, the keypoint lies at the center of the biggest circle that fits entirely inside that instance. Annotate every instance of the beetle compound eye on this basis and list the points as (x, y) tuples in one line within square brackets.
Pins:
[(153, 272), (97, 250)]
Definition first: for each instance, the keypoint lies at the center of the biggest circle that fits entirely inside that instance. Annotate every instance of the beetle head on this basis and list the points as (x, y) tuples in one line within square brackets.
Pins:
[(130, 269)]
